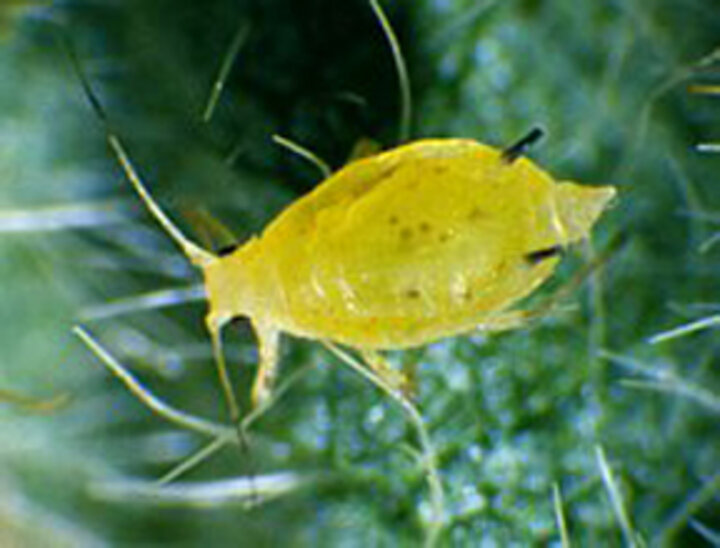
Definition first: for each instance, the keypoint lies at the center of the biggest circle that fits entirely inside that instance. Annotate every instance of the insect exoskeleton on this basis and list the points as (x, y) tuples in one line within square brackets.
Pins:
[(428, 240)]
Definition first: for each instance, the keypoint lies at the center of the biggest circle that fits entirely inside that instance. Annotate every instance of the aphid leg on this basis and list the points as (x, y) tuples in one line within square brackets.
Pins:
[(514, 151), (218, 443), (429, 461), (261, 394), (212, 233), (268, 342), (394, 378), (214, 325)]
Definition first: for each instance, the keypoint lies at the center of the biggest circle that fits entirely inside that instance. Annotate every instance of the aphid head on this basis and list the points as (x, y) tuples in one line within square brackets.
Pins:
[(231, 284), (229, 277)]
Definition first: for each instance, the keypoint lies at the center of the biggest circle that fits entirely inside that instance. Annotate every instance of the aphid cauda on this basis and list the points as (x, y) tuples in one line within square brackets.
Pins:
[(428, 240)]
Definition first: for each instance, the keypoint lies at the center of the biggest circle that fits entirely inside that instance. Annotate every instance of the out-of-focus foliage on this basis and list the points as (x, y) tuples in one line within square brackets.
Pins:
[(511, 415)]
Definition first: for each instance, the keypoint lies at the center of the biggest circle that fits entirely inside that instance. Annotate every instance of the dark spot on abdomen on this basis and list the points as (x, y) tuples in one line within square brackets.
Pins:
[(413, 293), (406, 234), (475, 214)]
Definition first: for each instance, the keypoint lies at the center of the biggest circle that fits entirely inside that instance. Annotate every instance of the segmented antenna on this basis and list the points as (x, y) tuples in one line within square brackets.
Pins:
[(197, 255)]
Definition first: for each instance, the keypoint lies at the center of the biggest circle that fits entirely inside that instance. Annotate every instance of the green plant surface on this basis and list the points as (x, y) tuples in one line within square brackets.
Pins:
[(596, 425)]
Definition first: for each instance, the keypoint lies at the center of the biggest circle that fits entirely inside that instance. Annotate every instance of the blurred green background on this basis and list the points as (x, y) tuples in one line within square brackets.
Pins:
[(510, 415)]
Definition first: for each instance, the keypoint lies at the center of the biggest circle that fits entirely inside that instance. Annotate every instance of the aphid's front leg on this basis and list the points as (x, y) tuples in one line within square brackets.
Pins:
[(268, 342), (214, 326)]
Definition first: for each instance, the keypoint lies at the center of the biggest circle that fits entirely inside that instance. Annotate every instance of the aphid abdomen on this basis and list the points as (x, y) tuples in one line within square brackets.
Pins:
[(422, 242)]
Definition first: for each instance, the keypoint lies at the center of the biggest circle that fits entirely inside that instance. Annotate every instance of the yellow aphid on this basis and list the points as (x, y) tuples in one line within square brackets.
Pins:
[(431, 239)]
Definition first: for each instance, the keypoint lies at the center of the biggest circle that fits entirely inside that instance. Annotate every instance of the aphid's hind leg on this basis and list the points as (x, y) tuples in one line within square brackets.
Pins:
[(508, 320), (429, 462), (214, 326), (397, 380)]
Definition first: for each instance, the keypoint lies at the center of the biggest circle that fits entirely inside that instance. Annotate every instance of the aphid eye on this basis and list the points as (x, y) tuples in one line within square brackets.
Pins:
[(514, 151), (227, 249), (535, 257)]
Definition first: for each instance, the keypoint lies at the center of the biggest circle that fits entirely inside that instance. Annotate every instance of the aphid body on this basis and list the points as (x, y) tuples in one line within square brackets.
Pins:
[(428, 240)]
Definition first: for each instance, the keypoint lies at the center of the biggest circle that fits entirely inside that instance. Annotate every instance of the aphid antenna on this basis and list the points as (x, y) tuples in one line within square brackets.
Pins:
[(196, 254)]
